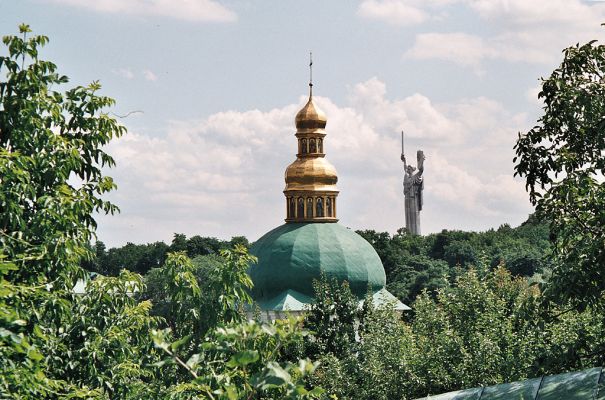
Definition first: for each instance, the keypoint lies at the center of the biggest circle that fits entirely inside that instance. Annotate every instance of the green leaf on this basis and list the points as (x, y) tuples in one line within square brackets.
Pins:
[(273, 376), (5, 267), (232, 393), (180, 343), (193, 361), (243, 358)]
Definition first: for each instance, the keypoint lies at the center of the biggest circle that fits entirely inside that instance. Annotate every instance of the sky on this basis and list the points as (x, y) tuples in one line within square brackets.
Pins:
[(209, 90)]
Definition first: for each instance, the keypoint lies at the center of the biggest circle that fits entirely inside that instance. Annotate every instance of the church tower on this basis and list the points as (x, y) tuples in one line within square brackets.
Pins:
[(312, 243), (311, 180)]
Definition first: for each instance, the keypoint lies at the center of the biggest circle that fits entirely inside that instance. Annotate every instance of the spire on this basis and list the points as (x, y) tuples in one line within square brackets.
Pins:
[(310, 74), (310, 116)]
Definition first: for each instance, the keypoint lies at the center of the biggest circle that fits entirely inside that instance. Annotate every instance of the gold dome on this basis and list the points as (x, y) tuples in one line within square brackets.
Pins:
[(311, 174), (310, 116)]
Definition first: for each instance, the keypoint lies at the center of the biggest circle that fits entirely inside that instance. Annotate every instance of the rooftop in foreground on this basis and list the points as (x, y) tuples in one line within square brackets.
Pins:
[(582, 385)]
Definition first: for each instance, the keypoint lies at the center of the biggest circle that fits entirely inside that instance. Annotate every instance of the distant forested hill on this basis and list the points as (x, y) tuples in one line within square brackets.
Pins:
[(412, 263), (141, 258)]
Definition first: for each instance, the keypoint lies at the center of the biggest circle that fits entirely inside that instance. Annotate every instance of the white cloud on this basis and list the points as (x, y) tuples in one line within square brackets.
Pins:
[(415, 114), (123, 72), (392, 11), (127, 73), (223, 175), (522, 31), (404, 12), (149, 75), (491, 196), (536, 31), (188, 10), (538, 12), (459, 48)]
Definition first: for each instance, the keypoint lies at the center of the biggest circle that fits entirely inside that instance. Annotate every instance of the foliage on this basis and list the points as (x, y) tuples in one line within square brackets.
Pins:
[(159, 280), (413, 263), (239, 362), (194, 297), (484, 328), (55, 344), (562, 161), (48, 139), (417, 273), (105, 343), (490, 329), (362, 351), (179, 295), (379, 366), (332, 318), (226, 356), (478, 332), (133, 257), (141, 258)]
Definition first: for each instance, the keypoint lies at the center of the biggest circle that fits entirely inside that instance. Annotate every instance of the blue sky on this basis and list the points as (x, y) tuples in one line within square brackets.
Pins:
[(218, 85)]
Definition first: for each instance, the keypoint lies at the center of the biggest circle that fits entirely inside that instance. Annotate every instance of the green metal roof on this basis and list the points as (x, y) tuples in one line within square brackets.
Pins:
[(582, 385), (291, 300), (292, 255), (383, 297)]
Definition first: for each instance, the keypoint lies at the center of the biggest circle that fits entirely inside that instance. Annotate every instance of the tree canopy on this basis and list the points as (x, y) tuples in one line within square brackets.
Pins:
[(105, 343), (562, 161)]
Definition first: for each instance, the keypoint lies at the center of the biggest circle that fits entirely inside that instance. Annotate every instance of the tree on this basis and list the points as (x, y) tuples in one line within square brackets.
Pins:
[(179, 243), (48, 137), (218, 353), (562, 160), (51, 162), (332, 318), (239, 361), (196, 296), (377, 367), (139, 258), (239, 240), (488, 329), (104, 342), (484, 328), (197, 245), (417, 274), (56, 345), (461, 253)]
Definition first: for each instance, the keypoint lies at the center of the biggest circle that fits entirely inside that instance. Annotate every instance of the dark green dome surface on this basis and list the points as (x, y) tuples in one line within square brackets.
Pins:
[(291, 256)]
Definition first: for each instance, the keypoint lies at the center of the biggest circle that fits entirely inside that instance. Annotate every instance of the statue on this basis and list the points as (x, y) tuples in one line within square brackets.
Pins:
[(413, 185)]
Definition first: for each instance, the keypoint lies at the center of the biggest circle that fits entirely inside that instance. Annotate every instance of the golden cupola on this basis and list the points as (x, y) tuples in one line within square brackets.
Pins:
[(311, 180)]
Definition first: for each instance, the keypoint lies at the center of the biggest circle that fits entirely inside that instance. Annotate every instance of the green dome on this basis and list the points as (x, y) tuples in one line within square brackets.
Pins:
[(291, 256)]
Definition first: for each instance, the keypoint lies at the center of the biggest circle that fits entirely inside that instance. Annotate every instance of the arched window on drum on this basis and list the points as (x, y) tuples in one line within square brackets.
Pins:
[(310, 208), (320, 207), (291, 207), (301, 208)]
